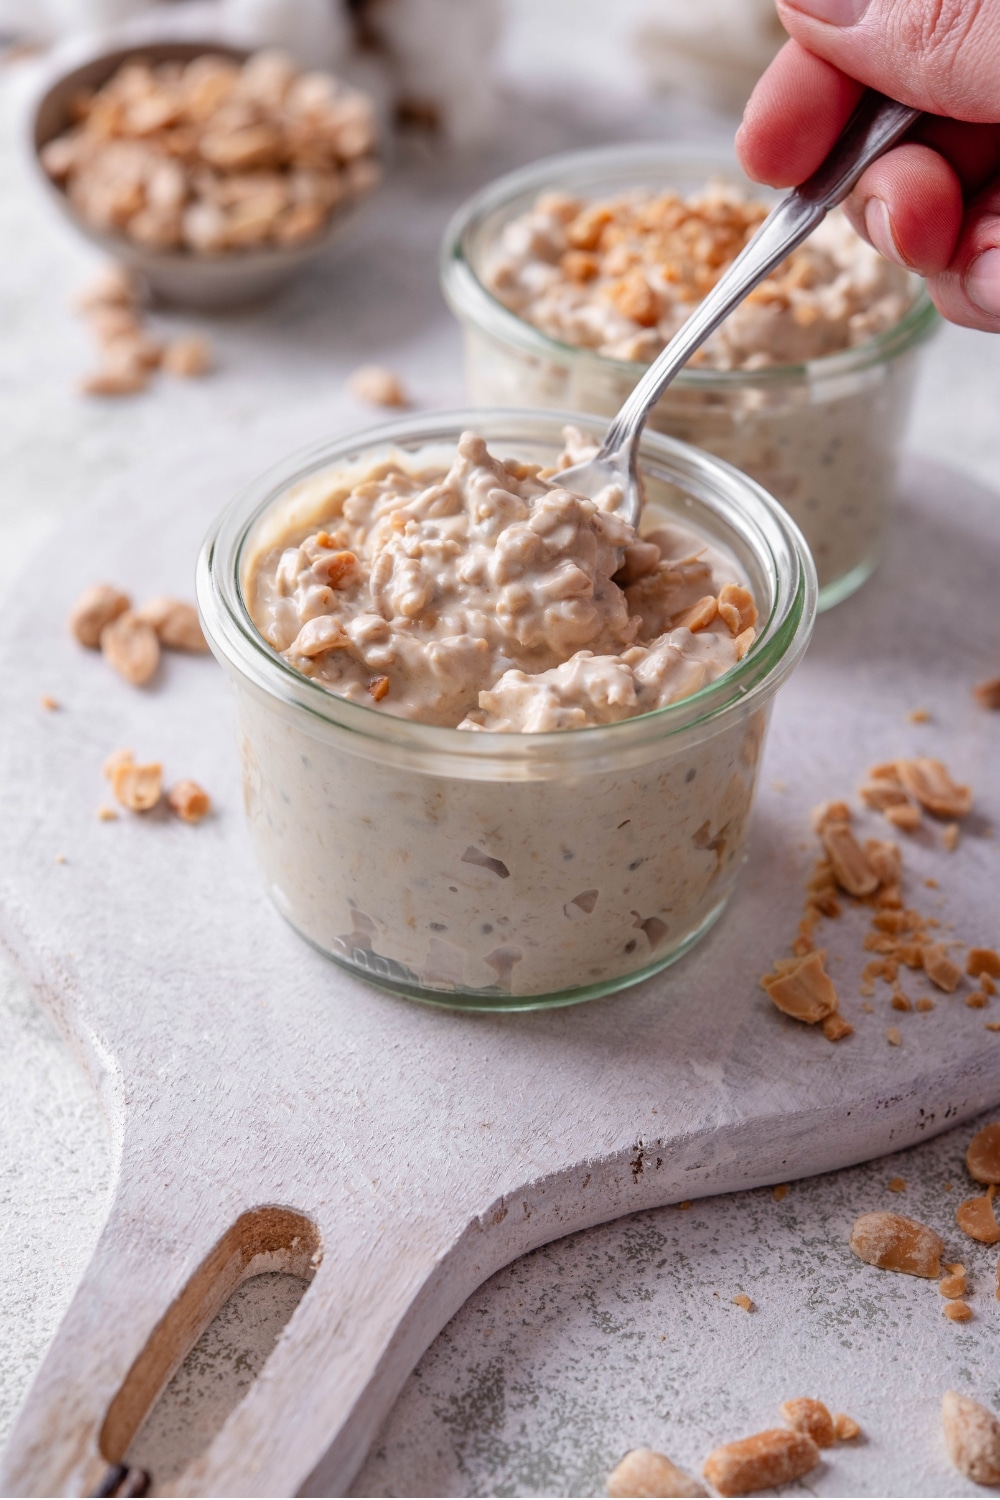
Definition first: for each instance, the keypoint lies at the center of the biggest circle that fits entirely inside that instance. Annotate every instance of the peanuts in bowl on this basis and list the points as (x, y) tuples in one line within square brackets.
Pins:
[(213, 172)]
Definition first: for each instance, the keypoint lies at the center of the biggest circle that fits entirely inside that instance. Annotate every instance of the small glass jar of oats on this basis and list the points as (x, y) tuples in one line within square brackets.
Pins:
[(570, 275), (499, 751)]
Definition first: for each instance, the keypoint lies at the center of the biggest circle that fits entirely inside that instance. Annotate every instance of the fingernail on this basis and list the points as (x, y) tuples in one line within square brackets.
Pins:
[(834, 12), (879, 227), (982, 282)]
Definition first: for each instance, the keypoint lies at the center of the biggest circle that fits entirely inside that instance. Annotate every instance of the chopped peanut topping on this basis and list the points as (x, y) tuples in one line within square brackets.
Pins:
[(805, 1414), (742, 1300), (761, 1462), (880, 795), (896, 1185), (699, 616), (835, 1028), (952, 1287), (851, 865), (977, 1000), (744, 641), (846, 1428), (378, 687), (48, 702), (986, 983), (918, 716), (958, 1312), (646, 1474), (987, 694), (923, 1004), (779, 1191), (928, 782), (188, 357), (904, 816), (894, 1243), (96, 608), (106, 814), (189, 801), (802, 988), (976, 1217), (983, 961), (982, 1155), (972, 1437), (737, 608), (949, 836)]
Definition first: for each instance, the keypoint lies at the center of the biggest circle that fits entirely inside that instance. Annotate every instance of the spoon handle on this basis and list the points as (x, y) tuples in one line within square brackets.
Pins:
[(876, 124)]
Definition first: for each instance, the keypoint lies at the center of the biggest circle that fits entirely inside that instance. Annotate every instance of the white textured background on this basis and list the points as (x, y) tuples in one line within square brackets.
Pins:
[(620, 1336)]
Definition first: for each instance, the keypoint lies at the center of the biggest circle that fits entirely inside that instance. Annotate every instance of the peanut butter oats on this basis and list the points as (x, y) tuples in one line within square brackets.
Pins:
[(801, 988), (972, 1437), (982, 1155), (929, 783), (981, 961), (213, 157), (958, 1312), (846, 1428), (895, 1243), (742, 1300), (377, 386), (987, 694), (761, 1462), (189, 801), (977, 1218), (175, 623), (646, 1475), (96, 608), (136, 787), (130, 645), (490, 599), (805, 1414)]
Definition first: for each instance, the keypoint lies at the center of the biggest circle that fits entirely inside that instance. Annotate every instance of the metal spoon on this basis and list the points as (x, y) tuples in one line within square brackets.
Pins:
[(876, 124)]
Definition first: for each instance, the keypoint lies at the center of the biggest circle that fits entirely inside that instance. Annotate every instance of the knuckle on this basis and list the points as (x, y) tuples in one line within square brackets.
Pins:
[(937, 33)]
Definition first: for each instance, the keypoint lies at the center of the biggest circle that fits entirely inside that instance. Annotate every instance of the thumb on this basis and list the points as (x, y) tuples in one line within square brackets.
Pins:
[(942, 56)]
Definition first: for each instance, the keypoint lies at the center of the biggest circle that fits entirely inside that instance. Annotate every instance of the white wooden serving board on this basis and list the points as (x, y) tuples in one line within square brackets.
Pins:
[(239, 1070)]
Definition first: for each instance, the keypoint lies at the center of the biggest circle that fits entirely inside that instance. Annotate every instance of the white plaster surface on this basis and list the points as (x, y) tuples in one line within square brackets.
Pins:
[(610, 1338)]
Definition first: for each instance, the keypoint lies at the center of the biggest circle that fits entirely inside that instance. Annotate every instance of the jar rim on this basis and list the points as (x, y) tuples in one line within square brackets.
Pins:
[(742, 506), (469, 297)]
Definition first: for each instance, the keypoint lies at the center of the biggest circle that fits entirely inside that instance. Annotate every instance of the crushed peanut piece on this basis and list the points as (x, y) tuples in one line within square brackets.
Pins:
[(95, 608), (952, 1287), (137, 787), (987, 694), (779, 1191), (188, 357), (929, 783), (894, 1243), (802, 988), (958, 1312), (761, 1462), (114, 286), (976, 1216), (982, 1155), (686, 1204), (983, 961), (900, 1002), (744, 641), (918, 716), (115, 759), (106, 814), (972, 1438), (50, 703), (904, 816), (378, 687), (378, 386), (949, 836), (736, 608), (835, 1028), (846, 1428), (956, 1268), (977, 1000), (60, 859), (851, 865), (646, 1474), (897, 1185), (130, 645), (742, 1300), (992, 1025), (699, 616), (189, 801), (829, 812), (923, 1004), (987, 984), (804, 1414), (939, 968), (880, 795), (175, 622), (893, 1036)]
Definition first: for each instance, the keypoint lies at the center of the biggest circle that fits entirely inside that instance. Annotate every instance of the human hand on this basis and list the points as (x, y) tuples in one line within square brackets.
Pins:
[(932, 203)]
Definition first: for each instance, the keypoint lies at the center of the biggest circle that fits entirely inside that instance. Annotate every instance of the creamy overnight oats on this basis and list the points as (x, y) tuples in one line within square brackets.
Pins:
[(570, 276), (497, 749)]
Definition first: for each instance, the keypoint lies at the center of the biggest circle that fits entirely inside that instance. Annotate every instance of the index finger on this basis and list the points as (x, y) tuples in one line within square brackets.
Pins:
[(794, 116)]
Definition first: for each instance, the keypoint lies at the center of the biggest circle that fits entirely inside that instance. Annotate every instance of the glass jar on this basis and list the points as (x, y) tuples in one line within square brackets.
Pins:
[(822, 437), (491, 870)]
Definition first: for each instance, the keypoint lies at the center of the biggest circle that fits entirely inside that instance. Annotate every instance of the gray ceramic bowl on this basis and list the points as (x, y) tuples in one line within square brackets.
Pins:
[(223, 280)]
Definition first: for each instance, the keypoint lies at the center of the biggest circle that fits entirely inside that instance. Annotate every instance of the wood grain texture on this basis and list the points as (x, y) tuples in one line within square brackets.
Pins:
[(238, 1069)]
